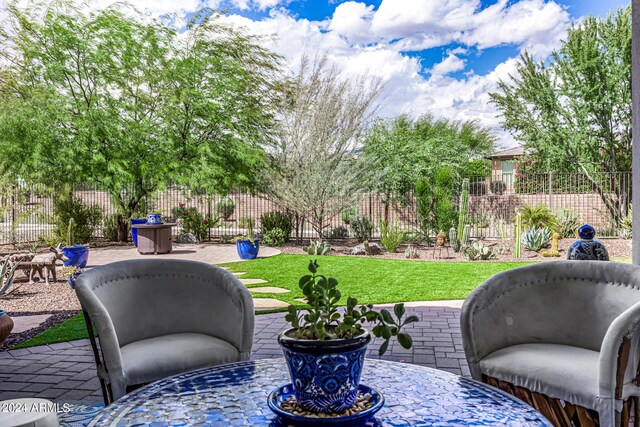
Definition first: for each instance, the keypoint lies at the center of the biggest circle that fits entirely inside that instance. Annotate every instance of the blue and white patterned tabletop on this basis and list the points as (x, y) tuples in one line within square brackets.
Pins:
[(236, 395)]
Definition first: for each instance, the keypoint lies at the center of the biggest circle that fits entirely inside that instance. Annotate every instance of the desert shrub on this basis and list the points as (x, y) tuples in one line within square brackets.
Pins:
[(110, 228), (536, 238), (277, 220), (86, 218), (436, 206), (274, 237), (243, 222), (193, 222), (411, 252), (361, 228), (626, 226), (539, 216), (497, 187), (477, 251), (318, 247), (568, 223), (339, 232), (348, 214), (225, 208), (391, 236)]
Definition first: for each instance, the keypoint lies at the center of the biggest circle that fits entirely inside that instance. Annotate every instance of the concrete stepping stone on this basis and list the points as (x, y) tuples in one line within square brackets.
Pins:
[(269, 290), (24, 323), (252, 281), (300, 300), (239, 273), (268, 303)]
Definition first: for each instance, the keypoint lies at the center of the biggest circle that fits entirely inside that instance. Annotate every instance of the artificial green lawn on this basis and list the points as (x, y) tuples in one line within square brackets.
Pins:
[(370, 280), (374, 280)]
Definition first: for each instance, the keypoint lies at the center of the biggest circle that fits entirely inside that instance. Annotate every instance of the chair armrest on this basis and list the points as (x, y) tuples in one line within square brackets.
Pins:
[(107, 336), (618, 359), (248, 322)]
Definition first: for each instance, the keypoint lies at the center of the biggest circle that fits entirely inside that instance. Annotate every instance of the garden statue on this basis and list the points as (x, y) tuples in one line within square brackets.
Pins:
[(587, 248), (440, 238), (553, 251)]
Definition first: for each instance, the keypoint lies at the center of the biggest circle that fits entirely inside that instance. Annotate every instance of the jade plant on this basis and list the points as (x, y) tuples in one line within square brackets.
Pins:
[(322, 320)]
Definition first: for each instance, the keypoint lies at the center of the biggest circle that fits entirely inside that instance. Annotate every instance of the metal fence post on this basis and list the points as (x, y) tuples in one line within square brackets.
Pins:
[(551, 190)]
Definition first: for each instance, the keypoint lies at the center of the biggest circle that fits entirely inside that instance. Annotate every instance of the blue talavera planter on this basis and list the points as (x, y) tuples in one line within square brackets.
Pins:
[(154, 219), (587, 248), (325, 374), (248, 249), (134, 231)]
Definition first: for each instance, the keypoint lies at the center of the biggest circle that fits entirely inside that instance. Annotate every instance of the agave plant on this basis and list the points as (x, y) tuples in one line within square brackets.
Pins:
[(568, 223), (477, 251), (6, 276), (318, 247), (536, 238)]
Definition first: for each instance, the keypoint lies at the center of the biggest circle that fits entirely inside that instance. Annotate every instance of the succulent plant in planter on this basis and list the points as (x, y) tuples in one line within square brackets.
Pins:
[(77, 254), (248, 246), (325, 347)]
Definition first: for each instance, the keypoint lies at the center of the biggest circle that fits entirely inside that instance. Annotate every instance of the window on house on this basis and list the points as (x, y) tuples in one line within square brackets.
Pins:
[(507, 172)]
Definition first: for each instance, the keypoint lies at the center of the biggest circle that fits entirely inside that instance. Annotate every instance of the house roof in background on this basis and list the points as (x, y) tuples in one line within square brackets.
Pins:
[(509, 152)]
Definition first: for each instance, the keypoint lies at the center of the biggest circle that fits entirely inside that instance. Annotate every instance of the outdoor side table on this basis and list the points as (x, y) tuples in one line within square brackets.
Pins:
[(154, 238), (236, 395)]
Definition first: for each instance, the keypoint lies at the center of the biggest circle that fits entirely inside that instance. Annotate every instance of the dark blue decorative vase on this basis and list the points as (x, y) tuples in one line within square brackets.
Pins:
[(77, 255), (248, 249), (325, 374), (587, 248), (134, 231)]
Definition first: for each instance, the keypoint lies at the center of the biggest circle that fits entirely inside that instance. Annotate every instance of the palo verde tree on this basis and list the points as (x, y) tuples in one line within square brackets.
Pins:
[(403, 151), (574, 111), (314, 173), (115, 98)]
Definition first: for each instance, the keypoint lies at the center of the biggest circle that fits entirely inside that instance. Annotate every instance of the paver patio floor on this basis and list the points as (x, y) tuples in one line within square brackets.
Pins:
[(65, 372)]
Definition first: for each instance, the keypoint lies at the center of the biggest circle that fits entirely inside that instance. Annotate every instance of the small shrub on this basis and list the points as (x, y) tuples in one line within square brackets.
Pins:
[(477, 251), (361, 228), (536, 238), (225, 208), (497, 187), (478, 188), (194, 222), (391, 236), (110, 228), (318, 247), (415, 237), (411, 252), (568, 223), (348, 214), (86, 218), (339, 232), (277, 221), (539, 216), (274, 237), (626, 226)]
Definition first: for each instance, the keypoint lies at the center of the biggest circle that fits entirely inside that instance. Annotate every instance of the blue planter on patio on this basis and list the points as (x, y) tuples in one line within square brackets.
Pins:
[(155, 218), (325, 373), (134, 231), (248, 249), (587, 248), (77, 255)]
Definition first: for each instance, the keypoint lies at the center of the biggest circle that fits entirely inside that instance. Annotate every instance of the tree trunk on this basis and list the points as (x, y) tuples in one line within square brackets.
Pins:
[(123, 229), (611, 203)]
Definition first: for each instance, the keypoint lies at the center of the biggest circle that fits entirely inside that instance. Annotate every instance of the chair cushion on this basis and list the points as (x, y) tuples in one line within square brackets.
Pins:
[(559, 371), (152, 359)]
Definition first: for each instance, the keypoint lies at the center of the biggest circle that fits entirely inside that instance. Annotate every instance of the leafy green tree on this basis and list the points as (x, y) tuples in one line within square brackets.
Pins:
[(436, 205), (574, 111), (402, 151), (126, 102)]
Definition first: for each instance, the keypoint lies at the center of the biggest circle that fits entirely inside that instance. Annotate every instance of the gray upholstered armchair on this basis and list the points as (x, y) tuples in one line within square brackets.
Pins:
[(157, 318), (562, 336)]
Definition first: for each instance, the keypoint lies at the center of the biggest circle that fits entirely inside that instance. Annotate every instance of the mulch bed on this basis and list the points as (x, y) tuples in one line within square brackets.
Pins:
[(55, 319)]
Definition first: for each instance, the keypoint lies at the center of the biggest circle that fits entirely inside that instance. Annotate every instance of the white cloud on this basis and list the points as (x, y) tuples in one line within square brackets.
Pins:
[(258, 4), (450, 64), (353, 21)]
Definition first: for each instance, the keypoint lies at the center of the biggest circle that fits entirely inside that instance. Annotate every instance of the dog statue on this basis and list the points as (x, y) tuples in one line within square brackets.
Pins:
[(46, 263)]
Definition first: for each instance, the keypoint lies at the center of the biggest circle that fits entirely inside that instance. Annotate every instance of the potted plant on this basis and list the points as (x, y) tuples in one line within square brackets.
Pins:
[(325, 348), (248, 246), (71, 273), (77, 254)]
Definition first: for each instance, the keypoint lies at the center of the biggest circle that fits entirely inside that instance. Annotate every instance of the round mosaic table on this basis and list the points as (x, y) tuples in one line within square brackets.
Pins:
[(236, 395)]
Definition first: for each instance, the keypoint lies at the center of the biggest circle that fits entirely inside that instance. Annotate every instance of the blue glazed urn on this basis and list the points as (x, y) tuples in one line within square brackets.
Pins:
[(154, 218), (325, 373), (587, 248)]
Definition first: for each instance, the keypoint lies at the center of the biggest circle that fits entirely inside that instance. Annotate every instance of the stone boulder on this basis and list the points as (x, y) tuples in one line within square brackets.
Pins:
[(374, 249), (187, 238)]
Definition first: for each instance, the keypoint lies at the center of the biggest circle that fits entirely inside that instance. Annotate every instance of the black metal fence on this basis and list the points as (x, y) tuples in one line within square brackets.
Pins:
[(27, 211)]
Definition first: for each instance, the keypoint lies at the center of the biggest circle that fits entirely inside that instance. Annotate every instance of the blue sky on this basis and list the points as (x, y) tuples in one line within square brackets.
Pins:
[(441, 57)]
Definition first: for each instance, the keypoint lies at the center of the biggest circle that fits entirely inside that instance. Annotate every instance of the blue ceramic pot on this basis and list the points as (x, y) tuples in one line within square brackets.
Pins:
[(247, 249), (154, 219), (325, 374), (77, 255), (587, 248), (134, 231)]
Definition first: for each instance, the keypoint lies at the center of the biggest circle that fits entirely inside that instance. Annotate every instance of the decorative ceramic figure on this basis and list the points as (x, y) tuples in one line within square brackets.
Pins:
[(440, 238), (6, 325), (553, 252), (587, 248)]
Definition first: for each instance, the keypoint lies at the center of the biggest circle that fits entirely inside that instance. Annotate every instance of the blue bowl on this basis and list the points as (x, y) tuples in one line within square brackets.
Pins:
[(279, 395)]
